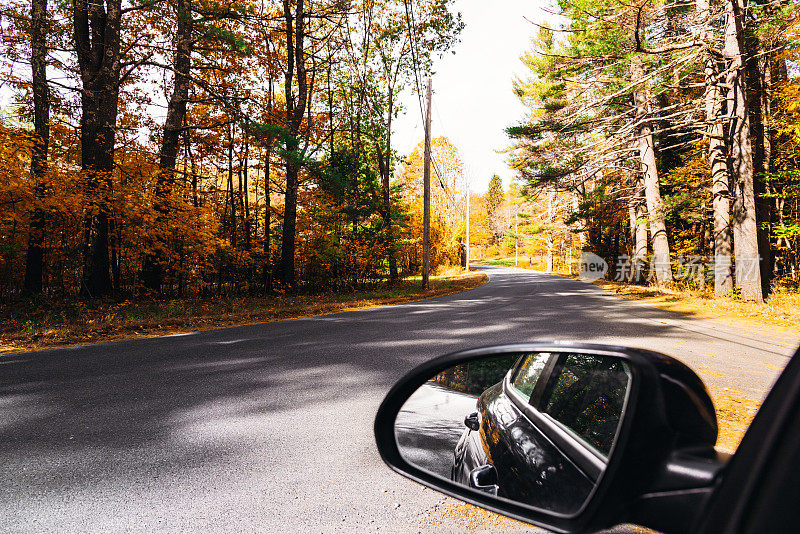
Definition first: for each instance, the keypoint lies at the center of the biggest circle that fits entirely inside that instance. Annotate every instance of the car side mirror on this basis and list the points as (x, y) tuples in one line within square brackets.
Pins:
[(571, 437)]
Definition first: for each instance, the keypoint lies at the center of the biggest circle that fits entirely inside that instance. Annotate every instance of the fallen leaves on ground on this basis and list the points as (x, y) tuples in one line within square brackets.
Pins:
[(734, 415), (471, 519)]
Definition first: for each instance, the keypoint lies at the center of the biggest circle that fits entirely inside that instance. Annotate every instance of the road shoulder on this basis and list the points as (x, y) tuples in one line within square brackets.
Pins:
[(79, 323)]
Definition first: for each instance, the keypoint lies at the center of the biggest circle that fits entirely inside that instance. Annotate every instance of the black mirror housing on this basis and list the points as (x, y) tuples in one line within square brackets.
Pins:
[(666, 437)]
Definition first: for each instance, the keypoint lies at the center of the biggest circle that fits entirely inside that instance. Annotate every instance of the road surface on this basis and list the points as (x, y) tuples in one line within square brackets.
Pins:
[(267, 428)]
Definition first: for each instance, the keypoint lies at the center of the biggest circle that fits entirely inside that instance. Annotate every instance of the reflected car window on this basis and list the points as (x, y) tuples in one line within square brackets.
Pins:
[(476, 376), (528, 373), (587, 396)]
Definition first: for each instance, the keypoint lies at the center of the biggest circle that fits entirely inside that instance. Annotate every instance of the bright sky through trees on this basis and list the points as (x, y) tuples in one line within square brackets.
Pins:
[(473, 101)]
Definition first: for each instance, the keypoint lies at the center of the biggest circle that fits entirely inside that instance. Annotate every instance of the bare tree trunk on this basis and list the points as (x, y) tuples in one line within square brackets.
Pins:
[(385, 168), (550, 220), (176, 108), (267, 272), (652, 187), (34, 259), (295, 109), (720, 179), (96, 28), (740, 160), (114, 245), (637, 212), (582, 237), (244, 191), (152, 271), (759, 79), (231, 191), (195, 198)]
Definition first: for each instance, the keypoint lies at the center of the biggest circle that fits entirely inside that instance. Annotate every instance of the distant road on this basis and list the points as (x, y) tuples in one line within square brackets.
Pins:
[(268, 428)]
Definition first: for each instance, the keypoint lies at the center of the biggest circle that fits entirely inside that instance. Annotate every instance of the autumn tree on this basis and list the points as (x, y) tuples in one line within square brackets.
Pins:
[(96, 28), (394, 46), (34, 261), (621, 75), (448, 202), (188, 131), (170, 138), (495, 199)]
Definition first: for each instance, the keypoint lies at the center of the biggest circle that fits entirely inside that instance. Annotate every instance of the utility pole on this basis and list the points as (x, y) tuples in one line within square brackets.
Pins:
[(426, 214), (467, 180)]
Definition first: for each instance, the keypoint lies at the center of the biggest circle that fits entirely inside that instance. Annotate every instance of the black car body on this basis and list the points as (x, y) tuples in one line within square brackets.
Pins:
[(529, 468), (521, 445)]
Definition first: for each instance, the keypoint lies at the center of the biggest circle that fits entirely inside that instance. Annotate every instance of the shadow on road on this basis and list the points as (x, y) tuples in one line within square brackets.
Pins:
[(139, 390)]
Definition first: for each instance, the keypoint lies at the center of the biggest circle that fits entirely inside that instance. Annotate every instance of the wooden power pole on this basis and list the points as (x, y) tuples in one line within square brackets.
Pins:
[(426, 214)]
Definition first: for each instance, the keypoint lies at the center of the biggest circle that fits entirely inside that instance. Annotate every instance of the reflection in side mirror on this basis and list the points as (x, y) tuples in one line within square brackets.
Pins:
[(573, 437), (533, 427)]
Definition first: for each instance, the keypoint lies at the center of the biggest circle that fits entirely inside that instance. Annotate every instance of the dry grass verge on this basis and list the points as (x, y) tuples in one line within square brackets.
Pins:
[(780, 312), (469, 519), (734, 415), (25, 326)]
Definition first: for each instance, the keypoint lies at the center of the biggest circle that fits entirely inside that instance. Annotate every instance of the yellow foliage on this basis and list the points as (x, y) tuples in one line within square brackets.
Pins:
[(448, 203)]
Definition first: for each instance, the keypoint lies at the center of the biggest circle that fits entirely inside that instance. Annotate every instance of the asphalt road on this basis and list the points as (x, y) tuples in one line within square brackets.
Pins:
[(267, 428)]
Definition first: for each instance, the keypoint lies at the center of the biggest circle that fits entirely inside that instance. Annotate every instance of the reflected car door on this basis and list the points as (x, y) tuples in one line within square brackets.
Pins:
[(530, 466)]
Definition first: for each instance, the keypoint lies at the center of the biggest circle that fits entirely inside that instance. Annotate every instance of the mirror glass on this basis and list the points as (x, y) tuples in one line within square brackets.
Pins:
[(537, 428)]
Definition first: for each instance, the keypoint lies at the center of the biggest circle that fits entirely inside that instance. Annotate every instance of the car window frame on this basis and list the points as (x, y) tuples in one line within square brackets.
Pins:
[(574, 449), (553, 376), (544, 379), (540, 380)]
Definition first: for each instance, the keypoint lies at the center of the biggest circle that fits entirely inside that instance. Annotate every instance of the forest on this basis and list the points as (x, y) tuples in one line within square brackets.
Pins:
[(664, 136), (242, 147), (204, 147)]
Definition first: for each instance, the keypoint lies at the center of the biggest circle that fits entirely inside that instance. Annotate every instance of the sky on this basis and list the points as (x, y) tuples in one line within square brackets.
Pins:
[(473, 100)]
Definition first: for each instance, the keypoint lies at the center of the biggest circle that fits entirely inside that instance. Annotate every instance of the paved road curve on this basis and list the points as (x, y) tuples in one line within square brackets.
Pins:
[(268, 427)]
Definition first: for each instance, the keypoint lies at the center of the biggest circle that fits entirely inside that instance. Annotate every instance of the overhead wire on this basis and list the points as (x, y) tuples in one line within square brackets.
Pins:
[(411, 25)]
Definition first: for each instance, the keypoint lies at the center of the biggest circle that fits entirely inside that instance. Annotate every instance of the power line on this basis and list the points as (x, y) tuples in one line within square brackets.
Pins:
[(411, 25)]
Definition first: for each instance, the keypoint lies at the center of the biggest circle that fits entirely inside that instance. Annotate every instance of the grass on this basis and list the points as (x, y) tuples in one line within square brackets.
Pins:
[(734, 415), (26, 325), (502, 262)]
